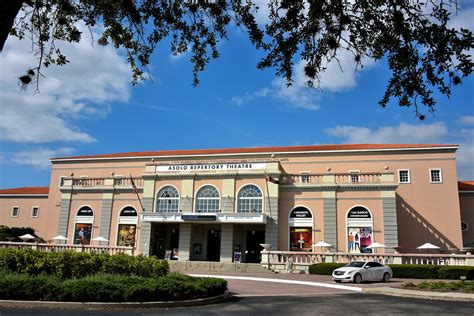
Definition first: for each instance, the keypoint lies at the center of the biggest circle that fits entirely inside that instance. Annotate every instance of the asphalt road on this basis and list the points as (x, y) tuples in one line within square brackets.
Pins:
[(321, 304)]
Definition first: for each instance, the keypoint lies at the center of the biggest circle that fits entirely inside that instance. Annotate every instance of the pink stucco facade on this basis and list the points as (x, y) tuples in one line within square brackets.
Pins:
[(289, 197)]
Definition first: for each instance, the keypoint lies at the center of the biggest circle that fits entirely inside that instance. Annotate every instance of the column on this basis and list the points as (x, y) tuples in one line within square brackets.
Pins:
[(227, 240), (184, 241), (187, 194), (271, 209), (65, 209), (147, 200), (228, 195), (106, 214), (145, 234), (330, 211), (390, 229)]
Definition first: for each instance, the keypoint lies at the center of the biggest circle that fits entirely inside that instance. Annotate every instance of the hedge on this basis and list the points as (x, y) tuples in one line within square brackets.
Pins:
[(108, 288), (324, 268), (70, 264), (408, 271)]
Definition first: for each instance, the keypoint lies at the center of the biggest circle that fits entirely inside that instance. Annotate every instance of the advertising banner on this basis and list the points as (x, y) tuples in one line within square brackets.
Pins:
[(82, 235), (358, 238), (126, 235)]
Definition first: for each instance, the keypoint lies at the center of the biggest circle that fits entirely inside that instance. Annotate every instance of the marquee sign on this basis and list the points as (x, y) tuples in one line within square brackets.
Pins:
[(196, 217), (211, 167), (359, 212), (301, 212)]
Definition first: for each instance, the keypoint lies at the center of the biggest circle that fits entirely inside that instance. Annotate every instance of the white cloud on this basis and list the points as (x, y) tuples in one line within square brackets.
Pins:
[(403, 133), (339, 76), (415, 134), (39, 157), (467, 120), (69, 95)]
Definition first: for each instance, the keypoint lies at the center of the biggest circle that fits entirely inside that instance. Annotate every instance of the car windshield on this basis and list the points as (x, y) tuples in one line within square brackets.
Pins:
[(356, 264)]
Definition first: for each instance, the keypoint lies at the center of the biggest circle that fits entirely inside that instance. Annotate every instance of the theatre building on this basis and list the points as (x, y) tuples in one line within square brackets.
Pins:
[(206, 205)]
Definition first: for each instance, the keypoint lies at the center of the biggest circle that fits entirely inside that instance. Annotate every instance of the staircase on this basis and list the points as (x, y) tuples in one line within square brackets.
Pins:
[(202, 266)]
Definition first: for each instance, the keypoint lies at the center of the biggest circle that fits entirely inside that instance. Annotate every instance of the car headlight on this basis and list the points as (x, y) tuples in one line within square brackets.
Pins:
[(351, 272)]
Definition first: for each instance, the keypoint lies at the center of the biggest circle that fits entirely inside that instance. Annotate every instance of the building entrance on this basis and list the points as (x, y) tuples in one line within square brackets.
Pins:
[(254, 239), (213, 245), (165, 241)]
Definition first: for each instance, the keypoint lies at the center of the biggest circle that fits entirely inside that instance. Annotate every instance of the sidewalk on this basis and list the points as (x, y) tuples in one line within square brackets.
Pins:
[(259, 284)]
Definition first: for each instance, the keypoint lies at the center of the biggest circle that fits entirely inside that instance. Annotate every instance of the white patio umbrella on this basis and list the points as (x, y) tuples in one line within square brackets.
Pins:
[(376, 245), (100, 239), (427, 246), (322, 244), (59, 238), (26, 237)]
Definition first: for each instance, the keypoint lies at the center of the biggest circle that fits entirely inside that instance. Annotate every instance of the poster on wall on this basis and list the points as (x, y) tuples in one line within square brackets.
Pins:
[(358, 239), (300, 238), (126, 235), (82, 235)]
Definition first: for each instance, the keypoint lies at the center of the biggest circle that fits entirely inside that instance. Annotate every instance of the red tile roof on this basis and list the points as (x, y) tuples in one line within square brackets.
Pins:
[(26, 190), (466, 185), (257, 150)]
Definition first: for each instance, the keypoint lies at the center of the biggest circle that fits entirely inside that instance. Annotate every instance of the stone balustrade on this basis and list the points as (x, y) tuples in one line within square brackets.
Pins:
[(278, 260)]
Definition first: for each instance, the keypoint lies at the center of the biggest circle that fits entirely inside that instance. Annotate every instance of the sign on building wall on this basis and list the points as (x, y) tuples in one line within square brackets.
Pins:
[(359, 212), (211, 167), (301, 212)]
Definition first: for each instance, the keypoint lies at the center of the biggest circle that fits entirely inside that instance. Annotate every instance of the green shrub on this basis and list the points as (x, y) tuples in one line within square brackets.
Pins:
[(415, 271), (109, 288), (324, 268), (71, 264), (455, 272), (465, 287)]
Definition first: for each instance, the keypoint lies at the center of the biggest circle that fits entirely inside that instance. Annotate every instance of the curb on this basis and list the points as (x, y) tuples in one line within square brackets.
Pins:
[(102, 305), (427, 295)]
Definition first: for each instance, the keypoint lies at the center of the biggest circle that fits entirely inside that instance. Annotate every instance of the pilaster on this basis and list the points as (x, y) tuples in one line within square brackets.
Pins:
[(184, 241), (227, 240)]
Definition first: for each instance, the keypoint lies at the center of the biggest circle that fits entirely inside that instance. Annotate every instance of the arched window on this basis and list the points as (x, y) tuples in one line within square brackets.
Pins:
[(359, 230), (167, 200), (127, 227), (300, 224), (250, 200), (207, 200), (83, 227)]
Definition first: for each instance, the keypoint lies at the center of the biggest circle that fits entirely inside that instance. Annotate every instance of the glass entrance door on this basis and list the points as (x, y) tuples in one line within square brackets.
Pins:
[(254, 239), (213, 245)]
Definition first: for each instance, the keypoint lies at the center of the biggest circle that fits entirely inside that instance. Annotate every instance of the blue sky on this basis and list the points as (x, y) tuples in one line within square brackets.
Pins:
[(89, 107)]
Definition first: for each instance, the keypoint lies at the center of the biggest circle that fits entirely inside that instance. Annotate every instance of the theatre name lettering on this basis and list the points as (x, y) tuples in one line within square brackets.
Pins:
[(211, 167)]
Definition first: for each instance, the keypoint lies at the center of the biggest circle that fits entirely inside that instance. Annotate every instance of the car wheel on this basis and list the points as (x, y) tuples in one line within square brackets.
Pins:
[(357, 278), (386, 277), (337, 281)]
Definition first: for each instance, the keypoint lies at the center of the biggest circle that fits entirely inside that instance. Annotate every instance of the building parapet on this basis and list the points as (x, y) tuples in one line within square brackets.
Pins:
[(101, 184)]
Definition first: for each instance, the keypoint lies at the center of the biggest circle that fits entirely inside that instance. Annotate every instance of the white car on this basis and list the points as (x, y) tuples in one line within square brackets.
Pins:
[(360, 271)]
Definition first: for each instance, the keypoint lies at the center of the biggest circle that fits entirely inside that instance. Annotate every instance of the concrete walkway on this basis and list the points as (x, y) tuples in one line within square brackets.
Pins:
[(248, 284)]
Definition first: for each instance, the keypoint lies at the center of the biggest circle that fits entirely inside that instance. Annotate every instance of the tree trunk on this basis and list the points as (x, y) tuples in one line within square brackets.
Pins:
[(8, 11)]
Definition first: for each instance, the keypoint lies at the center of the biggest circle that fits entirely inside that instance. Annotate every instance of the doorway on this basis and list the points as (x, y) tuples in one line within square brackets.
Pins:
[(213, 245), (254, 239)]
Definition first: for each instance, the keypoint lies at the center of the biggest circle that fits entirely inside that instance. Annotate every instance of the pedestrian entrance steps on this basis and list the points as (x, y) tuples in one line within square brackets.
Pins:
[(180, 266)]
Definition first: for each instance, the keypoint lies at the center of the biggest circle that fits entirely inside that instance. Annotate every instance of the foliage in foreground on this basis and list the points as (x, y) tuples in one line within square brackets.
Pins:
[(408, 271), (12, 233), (108, 288), (70, 264), (464, 287), (425, 54)]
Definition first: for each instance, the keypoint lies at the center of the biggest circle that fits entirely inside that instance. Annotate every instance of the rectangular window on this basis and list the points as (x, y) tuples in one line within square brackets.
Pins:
[(355, 176), (35, 211), (404, 176), (305, 178), (435, 176), (15, 211)]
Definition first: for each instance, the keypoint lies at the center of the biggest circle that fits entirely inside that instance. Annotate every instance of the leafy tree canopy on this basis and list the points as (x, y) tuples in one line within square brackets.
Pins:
[(424, 54)]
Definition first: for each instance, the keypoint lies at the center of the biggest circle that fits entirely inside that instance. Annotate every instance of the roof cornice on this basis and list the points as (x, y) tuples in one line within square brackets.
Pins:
[(276, 151)]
